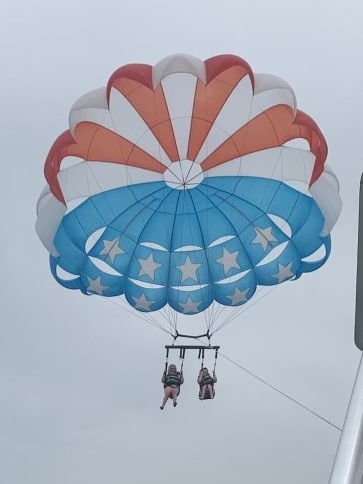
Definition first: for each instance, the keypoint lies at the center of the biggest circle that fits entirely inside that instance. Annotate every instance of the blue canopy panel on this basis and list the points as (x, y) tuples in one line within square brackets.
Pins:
[(186, 248), (191, 300)]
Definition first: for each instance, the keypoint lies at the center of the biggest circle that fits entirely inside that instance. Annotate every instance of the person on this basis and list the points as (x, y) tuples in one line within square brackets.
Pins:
[(206, 383), (172, 380)]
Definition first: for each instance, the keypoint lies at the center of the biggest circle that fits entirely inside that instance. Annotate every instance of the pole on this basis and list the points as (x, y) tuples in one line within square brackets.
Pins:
[(348, 463)]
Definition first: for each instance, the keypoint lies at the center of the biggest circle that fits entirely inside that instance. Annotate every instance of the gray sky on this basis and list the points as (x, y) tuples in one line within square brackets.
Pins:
[(80, 379)]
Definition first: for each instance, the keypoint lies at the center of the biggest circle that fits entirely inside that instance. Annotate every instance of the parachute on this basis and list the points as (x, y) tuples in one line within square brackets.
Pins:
[(187, 184)]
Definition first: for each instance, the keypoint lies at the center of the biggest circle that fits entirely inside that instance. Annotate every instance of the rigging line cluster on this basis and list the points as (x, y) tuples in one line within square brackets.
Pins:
[(142, 316), (157, 325), (245, 307), (171, 318)]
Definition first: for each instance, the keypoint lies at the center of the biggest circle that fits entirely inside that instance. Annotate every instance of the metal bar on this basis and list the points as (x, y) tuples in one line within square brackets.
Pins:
[(192, 347), (358, 333), (348, 463), (178, 335)]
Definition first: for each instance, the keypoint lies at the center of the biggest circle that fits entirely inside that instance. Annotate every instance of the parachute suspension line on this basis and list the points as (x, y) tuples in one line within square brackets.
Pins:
[(172, 323), (168, 320), (211, 308), (211, 314), (251, 222), (145, 317), (172, 316), (172, 319), (242, 308), (142, 316), (218, 311), (245, 307), (164, 314), (263, 194), (205, 313), (162, 311), (179, 202), (89, 170), (235, 311), (242, 214)]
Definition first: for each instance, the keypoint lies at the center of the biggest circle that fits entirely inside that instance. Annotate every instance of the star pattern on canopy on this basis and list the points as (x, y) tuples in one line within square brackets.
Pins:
[(142, 302), (189, 270), (148, 267), (190, 307), (95, 285), (229, 260), (263, 237), (283, 273), (111, 248), (238, 297)]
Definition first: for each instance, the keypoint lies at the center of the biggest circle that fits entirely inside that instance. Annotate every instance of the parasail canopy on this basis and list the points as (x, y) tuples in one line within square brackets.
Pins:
[(185, 184)]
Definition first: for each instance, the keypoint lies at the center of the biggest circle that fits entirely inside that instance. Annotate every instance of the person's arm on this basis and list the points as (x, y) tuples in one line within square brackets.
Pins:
[(163, 377), (214, 377), (200, 378), (181, 378)]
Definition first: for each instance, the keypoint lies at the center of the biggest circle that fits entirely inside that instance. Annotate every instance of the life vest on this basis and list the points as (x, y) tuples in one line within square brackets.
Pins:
[(207, 380), (172, 379)]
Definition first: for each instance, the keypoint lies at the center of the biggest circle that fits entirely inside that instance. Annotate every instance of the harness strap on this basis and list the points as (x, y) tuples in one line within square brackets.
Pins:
[(215, 359), (166, 361), (201, 353)]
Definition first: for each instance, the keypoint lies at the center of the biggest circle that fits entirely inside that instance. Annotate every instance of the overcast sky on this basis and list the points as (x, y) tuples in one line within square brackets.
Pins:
[(80, 378)]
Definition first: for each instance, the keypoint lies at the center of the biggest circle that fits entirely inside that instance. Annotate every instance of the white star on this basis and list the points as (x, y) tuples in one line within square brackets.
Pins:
[(148, 267), (228, 260), (142, 302), (263, 237), (189, 270), (238, 296), (190, 306), (111, 248), (283, 273), (96, 286)]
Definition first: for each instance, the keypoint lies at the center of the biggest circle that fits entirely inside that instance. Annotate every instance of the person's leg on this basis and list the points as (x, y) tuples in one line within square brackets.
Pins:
[(174, 392), (203, 392), (167, 394), (210, 390)]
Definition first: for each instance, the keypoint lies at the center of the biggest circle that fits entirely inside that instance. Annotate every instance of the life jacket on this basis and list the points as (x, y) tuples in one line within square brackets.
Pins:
[(172, 379), (207, 380)]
